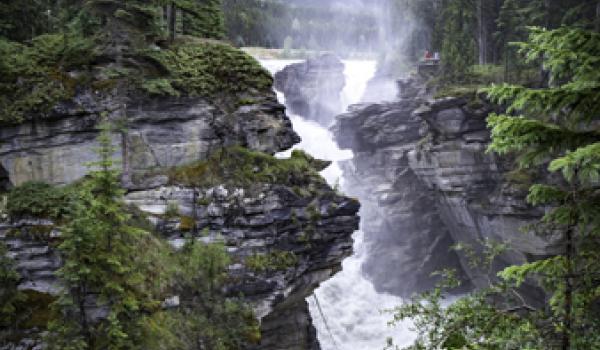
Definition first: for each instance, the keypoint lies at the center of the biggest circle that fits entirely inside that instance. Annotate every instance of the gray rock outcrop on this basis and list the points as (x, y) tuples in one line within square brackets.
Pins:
[(313, 88), (157, 133), (313, 225), (428, 183)]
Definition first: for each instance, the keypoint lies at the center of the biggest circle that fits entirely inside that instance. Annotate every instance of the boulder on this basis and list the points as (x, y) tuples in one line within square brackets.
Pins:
[(313, 88)]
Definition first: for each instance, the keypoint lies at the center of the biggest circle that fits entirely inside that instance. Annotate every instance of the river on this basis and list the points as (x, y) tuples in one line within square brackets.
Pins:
[(346, 309)]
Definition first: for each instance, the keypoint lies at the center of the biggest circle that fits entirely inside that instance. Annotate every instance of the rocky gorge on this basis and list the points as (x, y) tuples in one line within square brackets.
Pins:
[(427, 183), (284, 227), (431, 184)]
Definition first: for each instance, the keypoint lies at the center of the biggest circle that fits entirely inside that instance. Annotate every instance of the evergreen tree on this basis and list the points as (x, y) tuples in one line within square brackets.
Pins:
[(10, 297), (458, 46), (203, 18), (554, 127), (112, 274), (212, 320)]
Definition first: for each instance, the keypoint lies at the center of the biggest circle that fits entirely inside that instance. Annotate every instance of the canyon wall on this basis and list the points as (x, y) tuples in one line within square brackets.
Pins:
[(298, 217)]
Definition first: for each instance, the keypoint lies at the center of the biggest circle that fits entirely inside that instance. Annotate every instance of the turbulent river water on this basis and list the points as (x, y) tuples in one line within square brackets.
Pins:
[(346, 310)]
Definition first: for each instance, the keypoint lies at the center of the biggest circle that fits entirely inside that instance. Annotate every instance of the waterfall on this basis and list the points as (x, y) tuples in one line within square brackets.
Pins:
[(351, 317)]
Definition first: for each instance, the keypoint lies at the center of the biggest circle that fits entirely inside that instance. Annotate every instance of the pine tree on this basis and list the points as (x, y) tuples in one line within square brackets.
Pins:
[(212, 320), (203, 18)]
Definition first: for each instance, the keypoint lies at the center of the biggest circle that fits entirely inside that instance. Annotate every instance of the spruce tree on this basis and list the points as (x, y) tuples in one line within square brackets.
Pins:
[(111, 271), (557, 126), (553, 127), (458, 45), (203, 18)]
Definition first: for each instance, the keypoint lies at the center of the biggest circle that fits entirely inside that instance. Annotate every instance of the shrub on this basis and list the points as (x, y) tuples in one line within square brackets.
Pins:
[(39, 200), (205, 68)]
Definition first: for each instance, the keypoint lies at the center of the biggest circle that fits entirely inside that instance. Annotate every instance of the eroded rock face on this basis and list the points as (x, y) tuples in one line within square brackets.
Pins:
[(405, 235), (423, 166), (313, 88), (314, 226), (157, 133), (268, 220), (315, 230)]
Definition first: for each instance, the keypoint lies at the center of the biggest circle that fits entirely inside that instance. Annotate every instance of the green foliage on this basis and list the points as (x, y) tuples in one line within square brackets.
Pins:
[(20, 20), (554, 127), (37, 75), (39, 200), (10, 297), (275, 260), (458, 48), (242, 167), (473, 321), (106, 256), (207, 69), (137, 20), (34, 78), (159, 86), (219, 322), (203, 18), (172, 209), (112, 264)]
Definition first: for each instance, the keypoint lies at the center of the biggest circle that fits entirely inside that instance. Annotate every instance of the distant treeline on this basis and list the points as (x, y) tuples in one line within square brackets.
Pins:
[(294, 25), (471, 32)]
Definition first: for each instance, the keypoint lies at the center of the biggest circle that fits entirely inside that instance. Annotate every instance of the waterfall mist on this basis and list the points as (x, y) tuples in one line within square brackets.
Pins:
[(384, 29), (347, 310)]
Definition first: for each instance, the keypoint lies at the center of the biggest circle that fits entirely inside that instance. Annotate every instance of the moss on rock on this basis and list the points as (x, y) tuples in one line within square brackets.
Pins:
[(205, 68), (35, 77), (277, 260), (239, 166)]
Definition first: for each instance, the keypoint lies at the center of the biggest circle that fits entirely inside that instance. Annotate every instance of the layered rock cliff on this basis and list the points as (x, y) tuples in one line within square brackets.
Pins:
[(285, 228), (422, 166)]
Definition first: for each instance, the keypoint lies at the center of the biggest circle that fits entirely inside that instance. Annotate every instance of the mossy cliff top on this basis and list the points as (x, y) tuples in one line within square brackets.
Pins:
[(238, 166), (205, 68), (36, 77)]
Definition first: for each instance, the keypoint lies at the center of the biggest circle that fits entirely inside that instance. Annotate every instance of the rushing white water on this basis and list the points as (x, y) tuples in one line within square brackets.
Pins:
[(352, 317)]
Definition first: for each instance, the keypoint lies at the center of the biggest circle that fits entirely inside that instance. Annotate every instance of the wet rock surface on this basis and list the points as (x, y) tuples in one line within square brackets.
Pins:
[(313, 88), (423, 166)]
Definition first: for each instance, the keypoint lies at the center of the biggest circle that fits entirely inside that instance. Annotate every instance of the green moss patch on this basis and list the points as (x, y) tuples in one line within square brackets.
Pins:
[(239, 166), (205, 68), (34, 78), (276, 260)]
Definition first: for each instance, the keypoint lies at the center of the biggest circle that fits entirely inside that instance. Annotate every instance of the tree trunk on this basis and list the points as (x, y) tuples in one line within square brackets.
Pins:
[(172, 21), (570, 273), (165, 18), (566, 340), (598, 16), (481, 33)]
